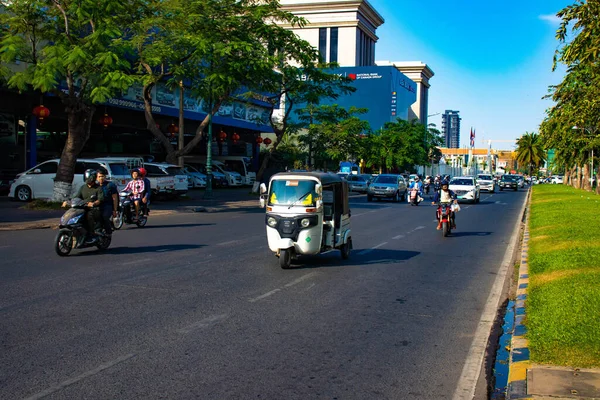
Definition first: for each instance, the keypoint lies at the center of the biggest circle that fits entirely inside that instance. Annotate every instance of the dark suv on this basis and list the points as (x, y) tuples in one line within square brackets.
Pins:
[(509, 182)]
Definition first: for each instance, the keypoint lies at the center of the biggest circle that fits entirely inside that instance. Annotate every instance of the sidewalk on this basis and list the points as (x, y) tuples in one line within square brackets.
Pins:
[(12, 217), (527, 380)]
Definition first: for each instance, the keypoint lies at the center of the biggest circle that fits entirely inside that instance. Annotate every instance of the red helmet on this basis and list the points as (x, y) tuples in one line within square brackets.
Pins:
[(142, 172)]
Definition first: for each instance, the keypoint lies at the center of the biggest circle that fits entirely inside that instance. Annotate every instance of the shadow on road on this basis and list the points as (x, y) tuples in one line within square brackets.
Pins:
[(373, 257), (167, 248), (461, 234), (174, 226)]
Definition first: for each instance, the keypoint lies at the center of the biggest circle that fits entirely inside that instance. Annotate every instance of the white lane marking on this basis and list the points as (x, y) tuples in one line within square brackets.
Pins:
[(312, 285), (398, 237), (470, 373), (302, 278), (418, 227), (162, 250), (143, 260), (204, 323), (227, 243), (369, 212), (76, 379), (371, 249), (328, 251), (417, 315), (467, 207), (5, 247), (287, 285), (142, 287)]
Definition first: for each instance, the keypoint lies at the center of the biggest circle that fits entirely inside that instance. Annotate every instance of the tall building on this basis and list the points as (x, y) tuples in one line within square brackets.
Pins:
[(451, 129), (419, 73), (342, 30)]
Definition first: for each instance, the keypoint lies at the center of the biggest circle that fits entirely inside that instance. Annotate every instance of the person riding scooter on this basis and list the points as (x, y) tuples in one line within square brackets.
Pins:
[(417, 186), (147, 192), (93, 195), (445, 195)]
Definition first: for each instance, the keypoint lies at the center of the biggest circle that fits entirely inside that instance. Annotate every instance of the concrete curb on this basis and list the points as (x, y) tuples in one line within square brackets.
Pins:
[(519, 349)]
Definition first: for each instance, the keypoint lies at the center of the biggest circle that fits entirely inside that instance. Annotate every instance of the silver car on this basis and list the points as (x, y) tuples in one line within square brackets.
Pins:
[(388, 186), (486, 182), (357, 183)]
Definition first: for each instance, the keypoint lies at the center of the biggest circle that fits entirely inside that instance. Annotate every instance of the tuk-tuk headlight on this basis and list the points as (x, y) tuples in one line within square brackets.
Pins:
[(305, 222), (272, 222)]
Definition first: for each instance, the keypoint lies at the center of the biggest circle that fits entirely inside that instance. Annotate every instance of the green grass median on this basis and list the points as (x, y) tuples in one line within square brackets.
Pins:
[(563, 301)]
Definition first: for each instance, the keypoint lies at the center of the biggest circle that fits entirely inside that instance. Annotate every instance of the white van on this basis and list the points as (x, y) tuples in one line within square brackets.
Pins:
[(230, 168), (38, 182), (175, 172), (241, 165)]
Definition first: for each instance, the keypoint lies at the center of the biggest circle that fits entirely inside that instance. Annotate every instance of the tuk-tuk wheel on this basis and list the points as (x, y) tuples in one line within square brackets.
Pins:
[(285, 258), (345, 250)]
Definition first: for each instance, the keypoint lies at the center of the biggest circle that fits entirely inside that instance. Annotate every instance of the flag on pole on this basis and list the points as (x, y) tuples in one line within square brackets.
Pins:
[(472, 137)]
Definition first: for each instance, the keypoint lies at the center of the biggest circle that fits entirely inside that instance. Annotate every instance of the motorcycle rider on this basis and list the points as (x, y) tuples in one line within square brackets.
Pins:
[(111, 200), (418, 185), (136, 186), (147, 191), (445, 195), (92, 194)]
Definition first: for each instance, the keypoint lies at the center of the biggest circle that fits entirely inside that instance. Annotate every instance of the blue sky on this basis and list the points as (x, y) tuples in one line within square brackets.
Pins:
[(492, 59)]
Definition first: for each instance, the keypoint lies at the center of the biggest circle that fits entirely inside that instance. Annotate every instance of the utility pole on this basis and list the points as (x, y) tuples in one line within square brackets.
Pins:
[(181, 123)]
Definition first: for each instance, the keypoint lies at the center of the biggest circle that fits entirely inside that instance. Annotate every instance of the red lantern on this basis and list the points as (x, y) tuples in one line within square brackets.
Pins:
[(106, 120), (259, 140), (173, 129), (41, 112), (267, 141), (158, 126), (235, 137), (222, 136)]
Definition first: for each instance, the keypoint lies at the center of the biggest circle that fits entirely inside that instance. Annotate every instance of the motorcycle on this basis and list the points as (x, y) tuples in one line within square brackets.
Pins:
[(444, 214), (414, 198), (126, 213), (72, 233)]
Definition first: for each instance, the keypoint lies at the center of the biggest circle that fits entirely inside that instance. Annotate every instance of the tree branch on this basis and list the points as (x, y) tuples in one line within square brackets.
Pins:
[(62, 10)]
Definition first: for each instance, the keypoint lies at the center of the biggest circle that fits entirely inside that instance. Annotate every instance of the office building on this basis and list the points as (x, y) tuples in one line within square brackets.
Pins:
[(451, 129), (344, 31)]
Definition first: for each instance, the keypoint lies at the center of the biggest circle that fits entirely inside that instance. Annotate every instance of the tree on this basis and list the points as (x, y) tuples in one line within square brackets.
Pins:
[(77, 51), (332, 132), (530, 151), (217, 48)]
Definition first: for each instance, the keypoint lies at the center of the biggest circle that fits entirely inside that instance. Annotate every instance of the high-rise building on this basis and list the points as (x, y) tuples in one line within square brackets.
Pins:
[(344, 31), (451, 129)]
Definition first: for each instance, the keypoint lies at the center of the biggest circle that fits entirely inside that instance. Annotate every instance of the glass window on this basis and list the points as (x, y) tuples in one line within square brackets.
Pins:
[(175, 171), (48, 167), (119, 169), (154, 170), (323, 43), (333, 45), (387, 179), (462, 182), (235, 165), (296, 192), (79, 168)]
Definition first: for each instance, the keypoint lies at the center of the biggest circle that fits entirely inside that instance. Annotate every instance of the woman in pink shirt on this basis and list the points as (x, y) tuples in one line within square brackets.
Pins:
[(136, 186)]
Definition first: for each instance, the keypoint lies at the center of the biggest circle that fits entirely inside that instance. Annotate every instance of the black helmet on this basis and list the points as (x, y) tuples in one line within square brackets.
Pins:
[(90, 176), (135, 170), (445, 183)]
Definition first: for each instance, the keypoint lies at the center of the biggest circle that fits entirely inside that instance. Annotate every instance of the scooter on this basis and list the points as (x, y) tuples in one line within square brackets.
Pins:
[(414, 198), (72, 234), (126, 212), (444, 213)]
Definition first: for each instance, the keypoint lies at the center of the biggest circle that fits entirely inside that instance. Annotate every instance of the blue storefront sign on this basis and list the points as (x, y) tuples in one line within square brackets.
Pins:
[(384, 91)]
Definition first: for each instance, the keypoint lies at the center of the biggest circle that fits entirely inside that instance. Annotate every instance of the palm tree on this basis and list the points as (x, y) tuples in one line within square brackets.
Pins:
[(530, 150)]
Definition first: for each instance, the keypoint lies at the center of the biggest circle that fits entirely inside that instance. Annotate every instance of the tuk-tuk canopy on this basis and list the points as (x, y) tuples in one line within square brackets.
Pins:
[(324, 177)]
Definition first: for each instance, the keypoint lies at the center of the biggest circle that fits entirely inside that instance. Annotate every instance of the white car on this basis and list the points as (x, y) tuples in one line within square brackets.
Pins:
[(557, 179), (233, 178), (38, 182), (177, 175), (196, 178), (466, 188), (486, 182)]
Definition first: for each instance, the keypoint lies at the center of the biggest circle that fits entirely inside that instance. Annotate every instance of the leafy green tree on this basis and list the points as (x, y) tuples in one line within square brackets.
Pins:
[(332, 132), (74, 50), (530, 151)]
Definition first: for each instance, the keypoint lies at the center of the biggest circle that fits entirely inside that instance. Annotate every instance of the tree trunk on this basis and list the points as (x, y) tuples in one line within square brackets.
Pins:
[(585, 179), (597, 185), (567, 178), (578, 178), (79, 120)]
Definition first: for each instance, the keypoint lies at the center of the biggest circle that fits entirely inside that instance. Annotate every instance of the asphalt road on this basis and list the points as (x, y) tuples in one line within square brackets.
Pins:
[(196, 306)]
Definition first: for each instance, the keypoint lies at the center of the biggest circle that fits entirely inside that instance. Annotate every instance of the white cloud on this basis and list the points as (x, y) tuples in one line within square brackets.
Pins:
[(551, 18)]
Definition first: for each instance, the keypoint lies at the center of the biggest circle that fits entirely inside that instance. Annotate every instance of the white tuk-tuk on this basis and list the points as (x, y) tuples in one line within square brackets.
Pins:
[(308, 213)]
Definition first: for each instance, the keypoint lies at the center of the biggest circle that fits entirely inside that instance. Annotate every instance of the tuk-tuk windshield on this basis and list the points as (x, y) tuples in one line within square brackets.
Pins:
[(292, 192)]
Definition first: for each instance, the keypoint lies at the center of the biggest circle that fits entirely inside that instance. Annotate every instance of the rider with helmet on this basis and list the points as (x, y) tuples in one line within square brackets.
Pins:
[(136, 187), (147, 191), (418, 184), (445, 195), (92, 194)]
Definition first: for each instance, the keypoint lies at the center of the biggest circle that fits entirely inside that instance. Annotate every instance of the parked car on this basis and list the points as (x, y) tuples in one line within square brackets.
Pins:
[(556, 179), (357, 183), (466, 188), (233, 178), (168, 179), (196, 178), (38, 182), (219, 178), (508, 182), (520, 181), (486, 182), (388, 186)]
